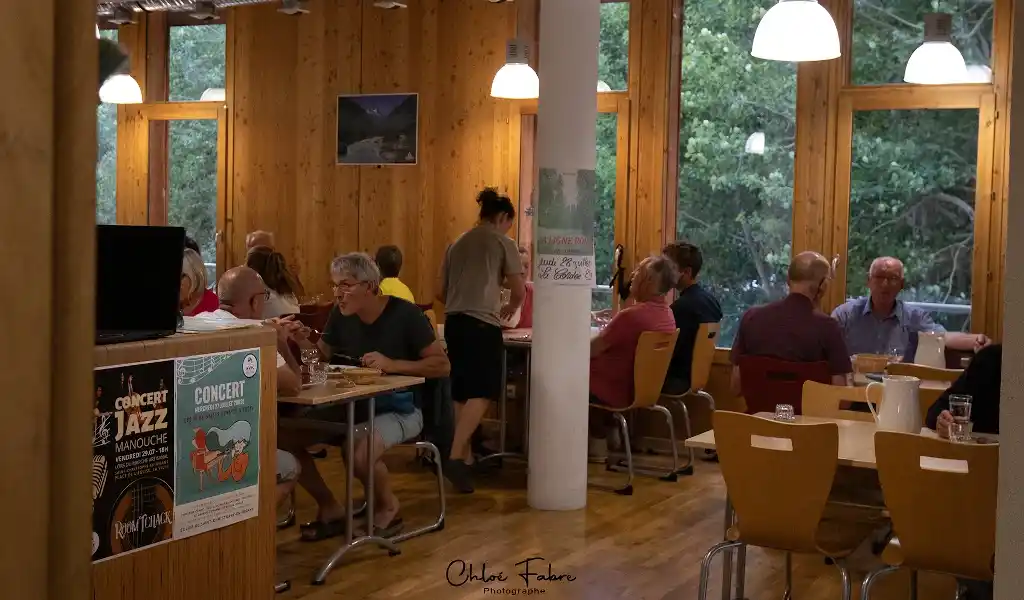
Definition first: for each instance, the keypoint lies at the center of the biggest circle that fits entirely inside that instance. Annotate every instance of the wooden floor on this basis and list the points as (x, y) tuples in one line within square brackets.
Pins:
[(645, 546)]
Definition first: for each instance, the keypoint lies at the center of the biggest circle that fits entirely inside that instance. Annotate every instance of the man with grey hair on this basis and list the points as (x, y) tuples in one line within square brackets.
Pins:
[(385, 333), (613, 351), (881, 323)]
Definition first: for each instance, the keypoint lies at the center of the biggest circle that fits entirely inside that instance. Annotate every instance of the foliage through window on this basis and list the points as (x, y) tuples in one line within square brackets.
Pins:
[(736, 156), (192, 185), (604, 212), (613, 48), (106, 155), (196, 61), (912, 196), (886, 33)]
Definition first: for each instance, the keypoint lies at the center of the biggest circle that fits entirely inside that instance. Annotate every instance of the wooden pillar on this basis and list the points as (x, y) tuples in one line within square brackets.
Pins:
[(47, 166)]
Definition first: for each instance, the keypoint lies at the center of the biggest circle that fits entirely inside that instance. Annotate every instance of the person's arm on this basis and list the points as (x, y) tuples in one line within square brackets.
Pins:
[(967, 342), (516, 285), (289, 382), (442, 278), (615, 333)]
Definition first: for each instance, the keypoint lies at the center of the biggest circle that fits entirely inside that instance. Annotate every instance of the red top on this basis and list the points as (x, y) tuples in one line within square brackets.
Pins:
[(208, 303), (526, 315), (611, 372)]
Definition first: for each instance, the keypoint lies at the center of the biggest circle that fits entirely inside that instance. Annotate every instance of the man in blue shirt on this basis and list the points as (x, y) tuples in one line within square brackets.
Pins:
[(881, 323)]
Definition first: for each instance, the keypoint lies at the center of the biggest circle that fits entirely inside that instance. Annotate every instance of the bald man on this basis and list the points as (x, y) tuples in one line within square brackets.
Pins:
[(259, 238), (242, 295), (794, 329), (881, 323)]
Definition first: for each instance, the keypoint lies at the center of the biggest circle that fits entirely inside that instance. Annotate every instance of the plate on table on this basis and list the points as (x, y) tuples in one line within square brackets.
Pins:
[(362, 375)]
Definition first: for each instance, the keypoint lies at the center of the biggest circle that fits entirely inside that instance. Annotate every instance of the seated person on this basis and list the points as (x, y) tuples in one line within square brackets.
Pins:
[(386, 333), (981, 381), (194, 296), (525, 320), (694, 306), (259, 238), (794, 329), (613, 351), (283, 285), (881, 323), (389, 261), (242, 296)]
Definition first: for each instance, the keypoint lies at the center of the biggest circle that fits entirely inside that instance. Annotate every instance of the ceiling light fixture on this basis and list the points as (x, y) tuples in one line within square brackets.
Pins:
[(796, 31), (121, 89), (388, 4), (294, 7), (204, 11), (122, 16), (213, 95), (755, 143), (936, 61), (516, 80)]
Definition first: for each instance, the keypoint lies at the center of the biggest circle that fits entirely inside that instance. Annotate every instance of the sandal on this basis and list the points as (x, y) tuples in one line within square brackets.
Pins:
[(357, 512), (316, 531), (389, 531)]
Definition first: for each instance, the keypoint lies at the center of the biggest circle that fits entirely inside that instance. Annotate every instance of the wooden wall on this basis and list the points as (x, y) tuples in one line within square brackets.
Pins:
[(285, 74)]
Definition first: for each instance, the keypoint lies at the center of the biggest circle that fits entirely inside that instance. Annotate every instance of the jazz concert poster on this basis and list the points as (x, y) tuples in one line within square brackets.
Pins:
[(217, 440), (132, 462)]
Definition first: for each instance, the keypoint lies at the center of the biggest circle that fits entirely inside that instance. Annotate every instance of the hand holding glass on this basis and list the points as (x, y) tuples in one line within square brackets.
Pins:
[(960, 408)]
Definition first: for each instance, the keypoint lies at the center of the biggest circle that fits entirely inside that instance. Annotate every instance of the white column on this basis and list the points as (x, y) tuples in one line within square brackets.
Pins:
[(1010, 523), (566, 143)]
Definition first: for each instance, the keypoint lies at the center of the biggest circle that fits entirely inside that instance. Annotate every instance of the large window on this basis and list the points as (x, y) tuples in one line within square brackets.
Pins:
[(613, 48), (192, 182), (196, 61), (886, 33), (604, 212), (106, 155), (736, 152), (912, 191)]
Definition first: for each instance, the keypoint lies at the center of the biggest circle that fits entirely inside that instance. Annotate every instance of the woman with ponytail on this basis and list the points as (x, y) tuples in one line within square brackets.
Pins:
[(283, 285)]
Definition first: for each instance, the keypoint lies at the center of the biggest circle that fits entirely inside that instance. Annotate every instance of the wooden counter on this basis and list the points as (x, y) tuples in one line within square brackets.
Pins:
[(236, 561)]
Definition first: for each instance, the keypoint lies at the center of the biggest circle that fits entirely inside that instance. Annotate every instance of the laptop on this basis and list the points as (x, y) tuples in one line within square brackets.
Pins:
[(138, 275)]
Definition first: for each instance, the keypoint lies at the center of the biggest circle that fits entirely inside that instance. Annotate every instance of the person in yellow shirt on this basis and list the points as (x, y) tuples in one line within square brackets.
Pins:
[(389, 261)]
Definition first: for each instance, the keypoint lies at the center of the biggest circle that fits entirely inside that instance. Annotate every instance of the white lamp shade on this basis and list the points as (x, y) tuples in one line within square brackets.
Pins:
[(935, 63), (213, 95), (121, 89), (796, 31), (755, 143), (979, 74), (516, 81), (603, 87)]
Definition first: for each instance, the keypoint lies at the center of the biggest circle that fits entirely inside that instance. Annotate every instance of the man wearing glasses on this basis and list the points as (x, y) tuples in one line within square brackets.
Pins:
[(881, 323)]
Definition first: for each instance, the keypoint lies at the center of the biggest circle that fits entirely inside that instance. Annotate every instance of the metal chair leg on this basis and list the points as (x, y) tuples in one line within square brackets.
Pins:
[(741, 571), (289, 519), (438, 524), (870, 578), (847, 581), (705, 566), (282, 587), (961, 592), (686, 469), (647, 468), (628, 489), (789, 576)]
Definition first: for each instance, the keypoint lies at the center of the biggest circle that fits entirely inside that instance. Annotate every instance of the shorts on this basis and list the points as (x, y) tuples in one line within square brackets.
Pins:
[(476, 351), (393, 428), (287, 467)]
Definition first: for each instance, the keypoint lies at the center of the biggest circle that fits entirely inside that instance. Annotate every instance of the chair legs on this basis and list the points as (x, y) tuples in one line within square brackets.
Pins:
[(650, 469), (705, 566), (913, 585), (961, 592), (627, 490), (870, 578), (788, 595), (679, 403), (289, 519), (438, 524), (847, 580)]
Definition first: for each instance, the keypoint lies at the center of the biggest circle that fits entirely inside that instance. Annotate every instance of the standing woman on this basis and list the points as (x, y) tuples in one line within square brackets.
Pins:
[(474, 268), (284, 287)]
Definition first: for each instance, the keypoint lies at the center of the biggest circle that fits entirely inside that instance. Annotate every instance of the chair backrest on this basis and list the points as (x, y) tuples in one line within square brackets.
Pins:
[(703, 355), (945, 519), (650, 365), (767, 381), (924, 372), (778, 475), (432, 317), (826, 401)]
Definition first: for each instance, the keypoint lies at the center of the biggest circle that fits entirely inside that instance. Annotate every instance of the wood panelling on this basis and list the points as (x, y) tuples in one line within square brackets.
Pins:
[(283, 129)]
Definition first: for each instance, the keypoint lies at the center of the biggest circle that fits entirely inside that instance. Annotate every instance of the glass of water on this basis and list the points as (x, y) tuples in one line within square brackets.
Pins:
[(315, 372), (961, 429), (784, 412)]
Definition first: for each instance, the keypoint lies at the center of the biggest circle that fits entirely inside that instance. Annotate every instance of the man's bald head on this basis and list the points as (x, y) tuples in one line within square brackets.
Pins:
[(808, 267), (259, 238), (242, 293)]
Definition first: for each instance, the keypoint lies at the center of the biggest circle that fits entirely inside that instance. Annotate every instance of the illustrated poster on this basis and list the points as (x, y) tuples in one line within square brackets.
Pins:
[(132, 462), (217, 442), (565, 228)]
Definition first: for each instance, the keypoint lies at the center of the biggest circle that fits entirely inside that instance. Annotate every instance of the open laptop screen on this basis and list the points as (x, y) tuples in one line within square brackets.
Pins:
[(138, 275)]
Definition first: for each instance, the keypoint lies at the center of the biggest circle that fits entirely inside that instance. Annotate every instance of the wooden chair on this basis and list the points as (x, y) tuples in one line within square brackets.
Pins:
[(767, 381), (944, 516), (825, 401), (926, 396), (700, 371), (778, 477), (653, 354)]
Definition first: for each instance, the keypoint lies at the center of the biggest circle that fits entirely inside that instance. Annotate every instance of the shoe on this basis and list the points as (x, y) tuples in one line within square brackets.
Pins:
[(597, 449), (457, 473)]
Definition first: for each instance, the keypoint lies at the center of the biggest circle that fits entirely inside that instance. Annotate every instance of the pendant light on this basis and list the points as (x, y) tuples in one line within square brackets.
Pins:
[(755, 143), (516, 80), (796, 31), (121, 89), (936, 61)]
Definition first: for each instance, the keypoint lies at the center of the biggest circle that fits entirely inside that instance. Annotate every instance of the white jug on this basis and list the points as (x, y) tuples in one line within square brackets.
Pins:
[(931, 349), (900, 410)]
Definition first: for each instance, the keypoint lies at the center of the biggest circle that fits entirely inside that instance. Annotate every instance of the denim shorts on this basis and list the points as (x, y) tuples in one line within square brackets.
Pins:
[(394, 428), (287, 467)]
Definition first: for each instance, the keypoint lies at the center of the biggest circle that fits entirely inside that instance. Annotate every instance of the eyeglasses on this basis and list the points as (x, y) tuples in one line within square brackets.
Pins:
[(265, 294), (346, 287), (887, 278)]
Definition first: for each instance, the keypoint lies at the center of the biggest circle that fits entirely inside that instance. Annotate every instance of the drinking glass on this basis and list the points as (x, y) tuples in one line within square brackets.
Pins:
[(962, 428), (314, 371), (784, 412), (895, 355)]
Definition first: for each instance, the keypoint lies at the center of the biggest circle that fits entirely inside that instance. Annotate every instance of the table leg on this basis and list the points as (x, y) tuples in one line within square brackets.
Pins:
[(526, 403), (503, 415), (727, 559), (370, 537)]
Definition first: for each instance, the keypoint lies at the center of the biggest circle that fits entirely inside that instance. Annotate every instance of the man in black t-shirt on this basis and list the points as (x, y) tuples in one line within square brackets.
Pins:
[(385, 333), (693, 307)]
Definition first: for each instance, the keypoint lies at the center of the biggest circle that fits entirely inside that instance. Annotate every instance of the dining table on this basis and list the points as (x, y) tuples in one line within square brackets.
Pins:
[(856, 449), (335, 392)]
